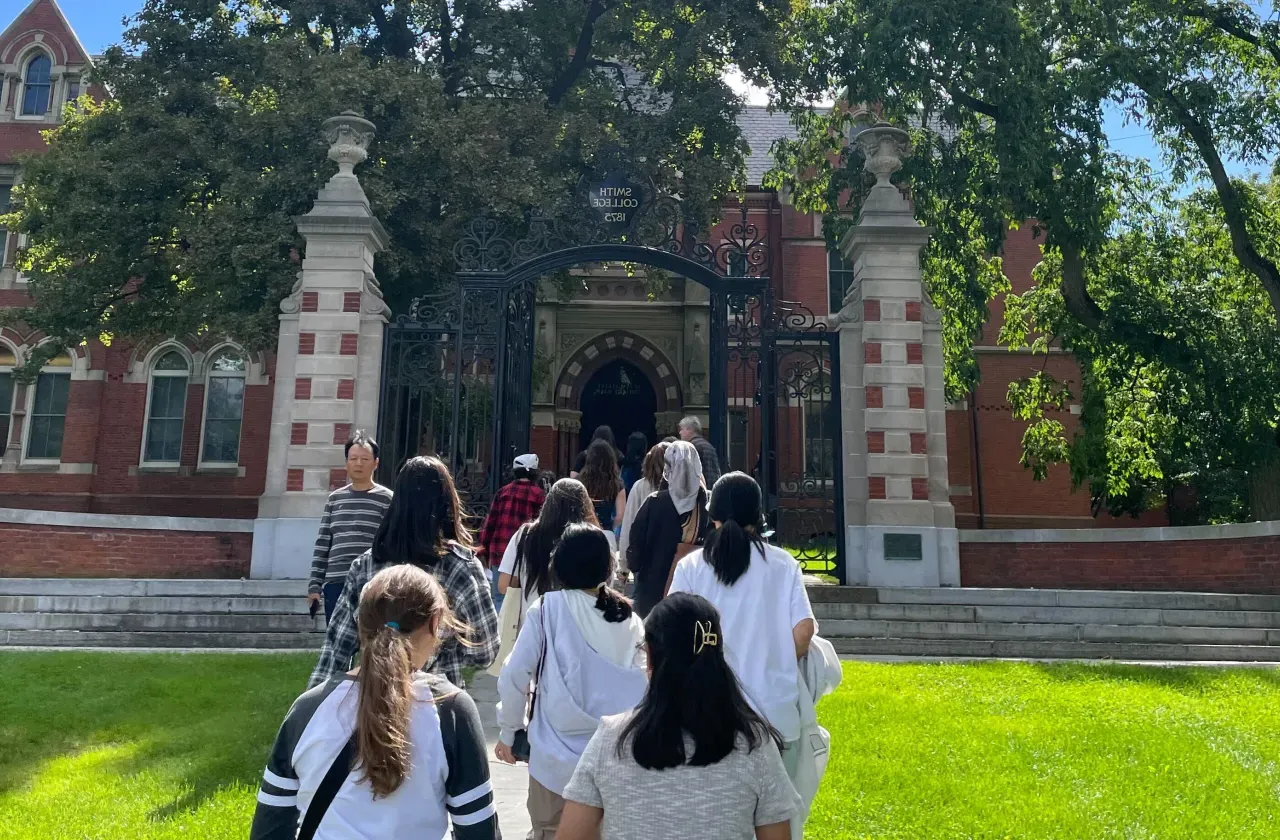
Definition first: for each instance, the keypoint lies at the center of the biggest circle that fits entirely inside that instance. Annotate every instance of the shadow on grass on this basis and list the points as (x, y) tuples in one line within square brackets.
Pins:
[(201, 721), (1178, 677)]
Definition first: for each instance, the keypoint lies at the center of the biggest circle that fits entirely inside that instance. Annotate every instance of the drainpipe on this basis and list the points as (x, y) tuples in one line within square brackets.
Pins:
[(977, 459)]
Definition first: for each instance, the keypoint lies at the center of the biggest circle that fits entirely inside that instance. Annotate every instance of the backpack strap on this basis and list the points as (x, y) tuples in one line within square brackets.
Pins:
[(328, 789)]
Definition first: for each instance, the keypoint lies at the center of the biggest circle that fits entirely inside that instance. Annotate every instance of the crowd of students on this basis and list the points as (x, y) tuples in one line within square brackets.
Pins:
[(697, 695)]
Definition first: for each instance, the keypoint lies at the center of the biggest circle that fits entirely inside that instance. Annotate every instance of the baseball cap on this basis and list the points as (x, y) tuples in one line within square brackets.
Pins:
[(526, 462)]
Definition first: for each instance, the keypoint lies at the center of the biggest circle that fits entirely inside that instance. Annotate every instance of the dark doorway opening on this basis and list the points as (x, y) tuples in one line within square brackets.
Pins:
[(619, 395)]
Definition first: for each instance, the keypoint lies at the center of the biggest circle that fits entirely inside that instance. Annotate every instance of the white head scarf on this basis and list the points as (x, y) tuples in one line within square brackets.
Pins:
[(683, 474)]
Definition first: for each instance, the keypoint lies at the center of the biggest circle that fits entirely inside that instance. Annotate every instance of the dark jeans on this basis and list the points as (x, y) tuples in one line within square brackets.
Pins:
[(331, 592)]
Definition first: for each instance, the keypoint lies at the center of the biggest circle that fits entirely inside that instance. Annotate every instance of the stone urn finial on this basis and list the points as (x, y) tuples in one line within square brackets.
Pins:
[(349, 135), (884, 146)]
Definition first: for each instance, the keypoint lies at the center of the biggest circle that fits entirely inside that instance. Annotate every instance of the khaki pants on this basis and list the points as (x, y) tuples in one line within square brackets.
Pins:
[(545, 808)]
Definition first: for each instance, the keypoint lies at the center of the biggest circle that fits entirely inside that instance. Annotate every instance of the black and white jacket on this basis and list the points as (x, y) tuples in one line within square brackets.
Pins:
[(448, 780)]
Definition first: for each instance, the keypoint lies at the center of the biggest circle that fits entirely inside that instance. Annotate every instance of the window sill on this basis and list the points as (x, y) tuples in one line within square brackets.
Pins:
[(40, 466), (156, 469), (233, 470)]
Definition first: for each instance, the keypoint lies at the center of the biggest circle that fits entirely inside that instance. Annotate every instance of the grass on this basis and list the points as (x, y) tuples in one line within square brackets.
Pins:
[(1070, 752), (116, 746)]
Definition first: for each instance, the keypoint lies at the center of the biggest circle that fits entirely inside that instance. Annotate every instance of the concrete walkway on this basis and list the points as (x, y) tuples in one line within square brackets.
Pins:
[(510, 784)]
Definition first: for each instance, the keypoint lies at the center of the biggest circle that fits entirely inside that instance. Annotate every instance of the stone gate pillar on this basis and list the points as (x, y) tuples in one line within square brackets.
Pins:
[(328, 359), (898, 513)]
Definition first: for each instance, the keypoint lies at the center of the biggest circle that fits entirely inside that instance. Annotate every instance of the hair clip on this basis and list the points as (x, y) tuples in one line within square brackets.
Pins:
[(394, 625), (702, 636)]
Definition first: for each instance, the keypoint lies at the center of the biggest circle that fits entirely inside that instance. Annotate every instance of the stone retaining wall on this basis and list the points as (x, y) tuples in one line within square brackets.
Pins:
[(1223, 558), (58, 544)]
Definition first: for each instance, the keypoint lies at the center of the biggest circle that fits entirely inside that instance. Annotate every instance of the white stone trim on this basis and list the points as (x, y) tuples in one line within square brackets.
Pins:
[(1106, 535), (66, 519)]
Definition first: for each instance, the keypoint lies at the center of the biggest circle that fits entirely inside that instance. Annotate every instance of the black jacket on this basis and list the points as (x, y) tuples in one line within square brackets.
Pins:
[(655, 534), (710, 460)]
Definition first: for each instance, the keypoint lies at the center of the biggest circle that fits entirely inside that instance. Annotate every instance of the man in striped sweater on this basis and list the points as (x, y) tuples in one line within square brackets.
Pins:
[(349, 523)]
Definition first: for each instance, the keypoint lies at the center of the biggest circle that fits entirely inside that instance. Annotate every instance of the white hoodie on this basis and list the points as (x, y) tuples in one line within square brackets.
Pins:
[(577, 686)]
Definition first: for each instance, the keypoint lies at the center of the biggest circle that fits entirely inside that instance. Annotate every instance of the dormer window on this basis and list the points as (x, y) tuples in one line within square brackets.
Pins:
[(36, 87)]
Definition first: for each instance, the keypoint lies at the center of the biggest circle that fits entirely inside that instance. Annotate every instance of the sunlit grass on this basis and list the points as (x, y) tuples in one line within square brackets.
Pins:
[(124, 746), (1074, 752), (138, 745)]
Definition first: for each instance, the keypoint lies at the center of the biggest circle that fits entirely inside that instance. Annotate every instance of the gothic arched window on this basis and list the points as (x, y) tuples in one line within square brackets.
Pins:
[(223, 409), (166, 408), (37, 86)]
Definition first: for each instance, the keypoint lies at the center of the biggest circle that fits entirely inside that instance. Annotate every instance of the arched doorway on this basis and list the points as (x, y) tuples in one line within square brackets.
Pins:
[(619, 395)]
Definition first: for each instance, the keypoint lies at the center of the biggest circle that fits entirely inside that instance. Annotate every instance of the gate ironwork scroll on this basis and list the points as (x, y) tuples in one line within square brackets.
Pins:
[(457, 377)]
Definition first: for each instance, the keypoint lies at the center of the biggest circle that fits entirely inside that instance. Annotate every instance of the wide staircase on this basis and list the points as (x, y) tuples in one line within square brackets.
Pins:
[(861, 622), (1049, 624), (112, 612)]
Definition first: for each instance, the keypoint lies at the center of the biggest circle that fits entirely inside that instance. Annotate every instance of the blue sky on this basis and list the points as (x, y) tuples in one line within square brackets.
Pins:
[(99, 24)]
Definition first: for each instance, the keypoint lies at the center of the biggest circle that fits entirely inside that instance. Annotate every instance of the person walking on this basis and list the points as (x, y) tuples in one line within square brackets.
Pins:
[(693, 761), (669, 524), (423, 527), (517, 502), (383, 750), (691, 431), (349, 523), (604, 433), (759, 591), (603, 480), (582, 646), (526, 565), (650, 482), (633, 461)]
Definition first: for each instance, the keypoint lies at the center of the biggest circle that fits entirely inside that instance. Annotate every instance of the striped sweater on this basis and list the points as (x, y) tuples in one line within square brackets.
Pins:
[(347, 528)]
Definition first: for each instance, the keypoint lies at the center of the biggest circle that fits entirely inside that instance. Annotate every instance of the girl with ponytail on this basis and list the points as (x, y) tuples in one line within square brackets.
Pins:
[(581, 650), (693, 761), (383, 750), (759, 591)]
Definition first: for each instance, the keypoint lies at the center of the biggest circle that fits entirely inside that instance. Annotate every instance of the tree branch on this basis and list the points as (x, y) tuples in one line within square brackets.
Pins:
[(1267, 272), (1225, 21), (974, 104), (581, 54)]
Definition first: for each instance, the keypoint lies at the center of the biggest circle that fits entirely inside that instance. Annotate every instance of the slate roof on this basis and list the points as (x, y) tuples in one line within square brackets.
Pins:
[(760, 127)]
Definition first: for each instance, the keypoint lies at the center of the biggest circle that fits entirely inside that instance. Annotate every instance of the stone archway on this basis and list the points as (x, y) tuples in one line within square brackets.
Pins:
[(608, 347)]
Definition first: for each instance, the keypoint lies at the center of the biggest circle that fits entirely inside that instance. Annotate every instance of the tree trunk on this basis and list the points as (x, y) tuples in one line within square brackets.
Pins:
[(1264, 489)]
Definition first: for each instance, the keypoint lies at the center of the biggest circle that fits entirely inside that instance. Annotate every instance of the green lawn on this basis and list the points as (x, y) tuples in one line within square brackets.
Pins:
[(119, 746), (1074, 752)]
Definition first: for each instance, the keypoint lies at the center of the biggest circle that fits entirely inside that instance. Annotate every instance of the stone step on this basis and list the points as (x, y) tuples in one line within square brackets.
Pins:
[(292, 605), (844, 628), (1028, 649), (156, 587), (201, 622), (1078, 598), (828, 611), (180, 639)]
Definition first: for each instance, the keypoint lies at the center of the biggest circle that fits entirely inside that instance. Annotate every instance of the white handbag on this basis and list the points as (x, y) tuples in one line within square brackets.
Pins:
[(508, 627)]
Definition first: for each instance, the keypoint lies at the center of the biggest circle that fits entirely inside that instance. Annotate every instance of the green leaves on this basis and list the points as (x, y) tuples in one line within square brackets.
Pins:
[(170, 209)]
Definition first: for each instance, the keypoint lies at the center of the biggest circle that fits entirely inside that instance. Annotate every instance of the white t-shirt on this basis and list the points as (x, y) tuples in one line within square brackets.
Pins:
[(757, 614), (508, 567)]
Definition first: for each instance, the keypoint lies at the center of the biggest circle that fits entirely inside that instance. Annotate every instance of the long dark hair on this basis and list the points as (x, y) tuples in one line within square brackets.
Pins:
[(584, 560), (637, 445), (600, 473), (692, 691), (567, 503), (424, 515), (397, 602), (604, 433), (736, 505)]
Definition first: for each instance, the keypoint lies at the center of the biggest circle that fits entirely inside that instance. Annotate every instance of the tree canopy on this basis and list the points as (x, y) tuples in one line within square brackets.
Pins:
[(167, 208), (1008, 99)]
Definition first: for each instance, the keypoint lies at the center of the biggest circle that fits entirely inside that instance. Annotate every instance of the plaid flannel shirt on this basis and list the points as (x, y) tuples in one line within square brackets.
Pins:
[(465, 582), (516, 503)]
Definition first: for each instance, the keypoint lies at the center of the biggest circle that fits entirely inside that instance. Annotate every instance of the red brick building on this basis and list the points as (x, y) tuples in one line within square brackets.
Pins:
[(181, 428)]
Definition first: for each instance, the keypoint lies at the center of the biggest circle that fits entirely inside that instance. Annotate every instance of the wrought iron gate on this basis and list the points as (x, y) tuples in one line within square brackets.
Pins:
[(458, 367)]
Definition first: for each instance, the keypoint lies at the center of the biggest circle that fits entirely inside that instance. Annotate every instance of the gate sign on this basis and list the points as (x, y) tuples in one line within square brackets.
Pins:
[(616, 200)]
